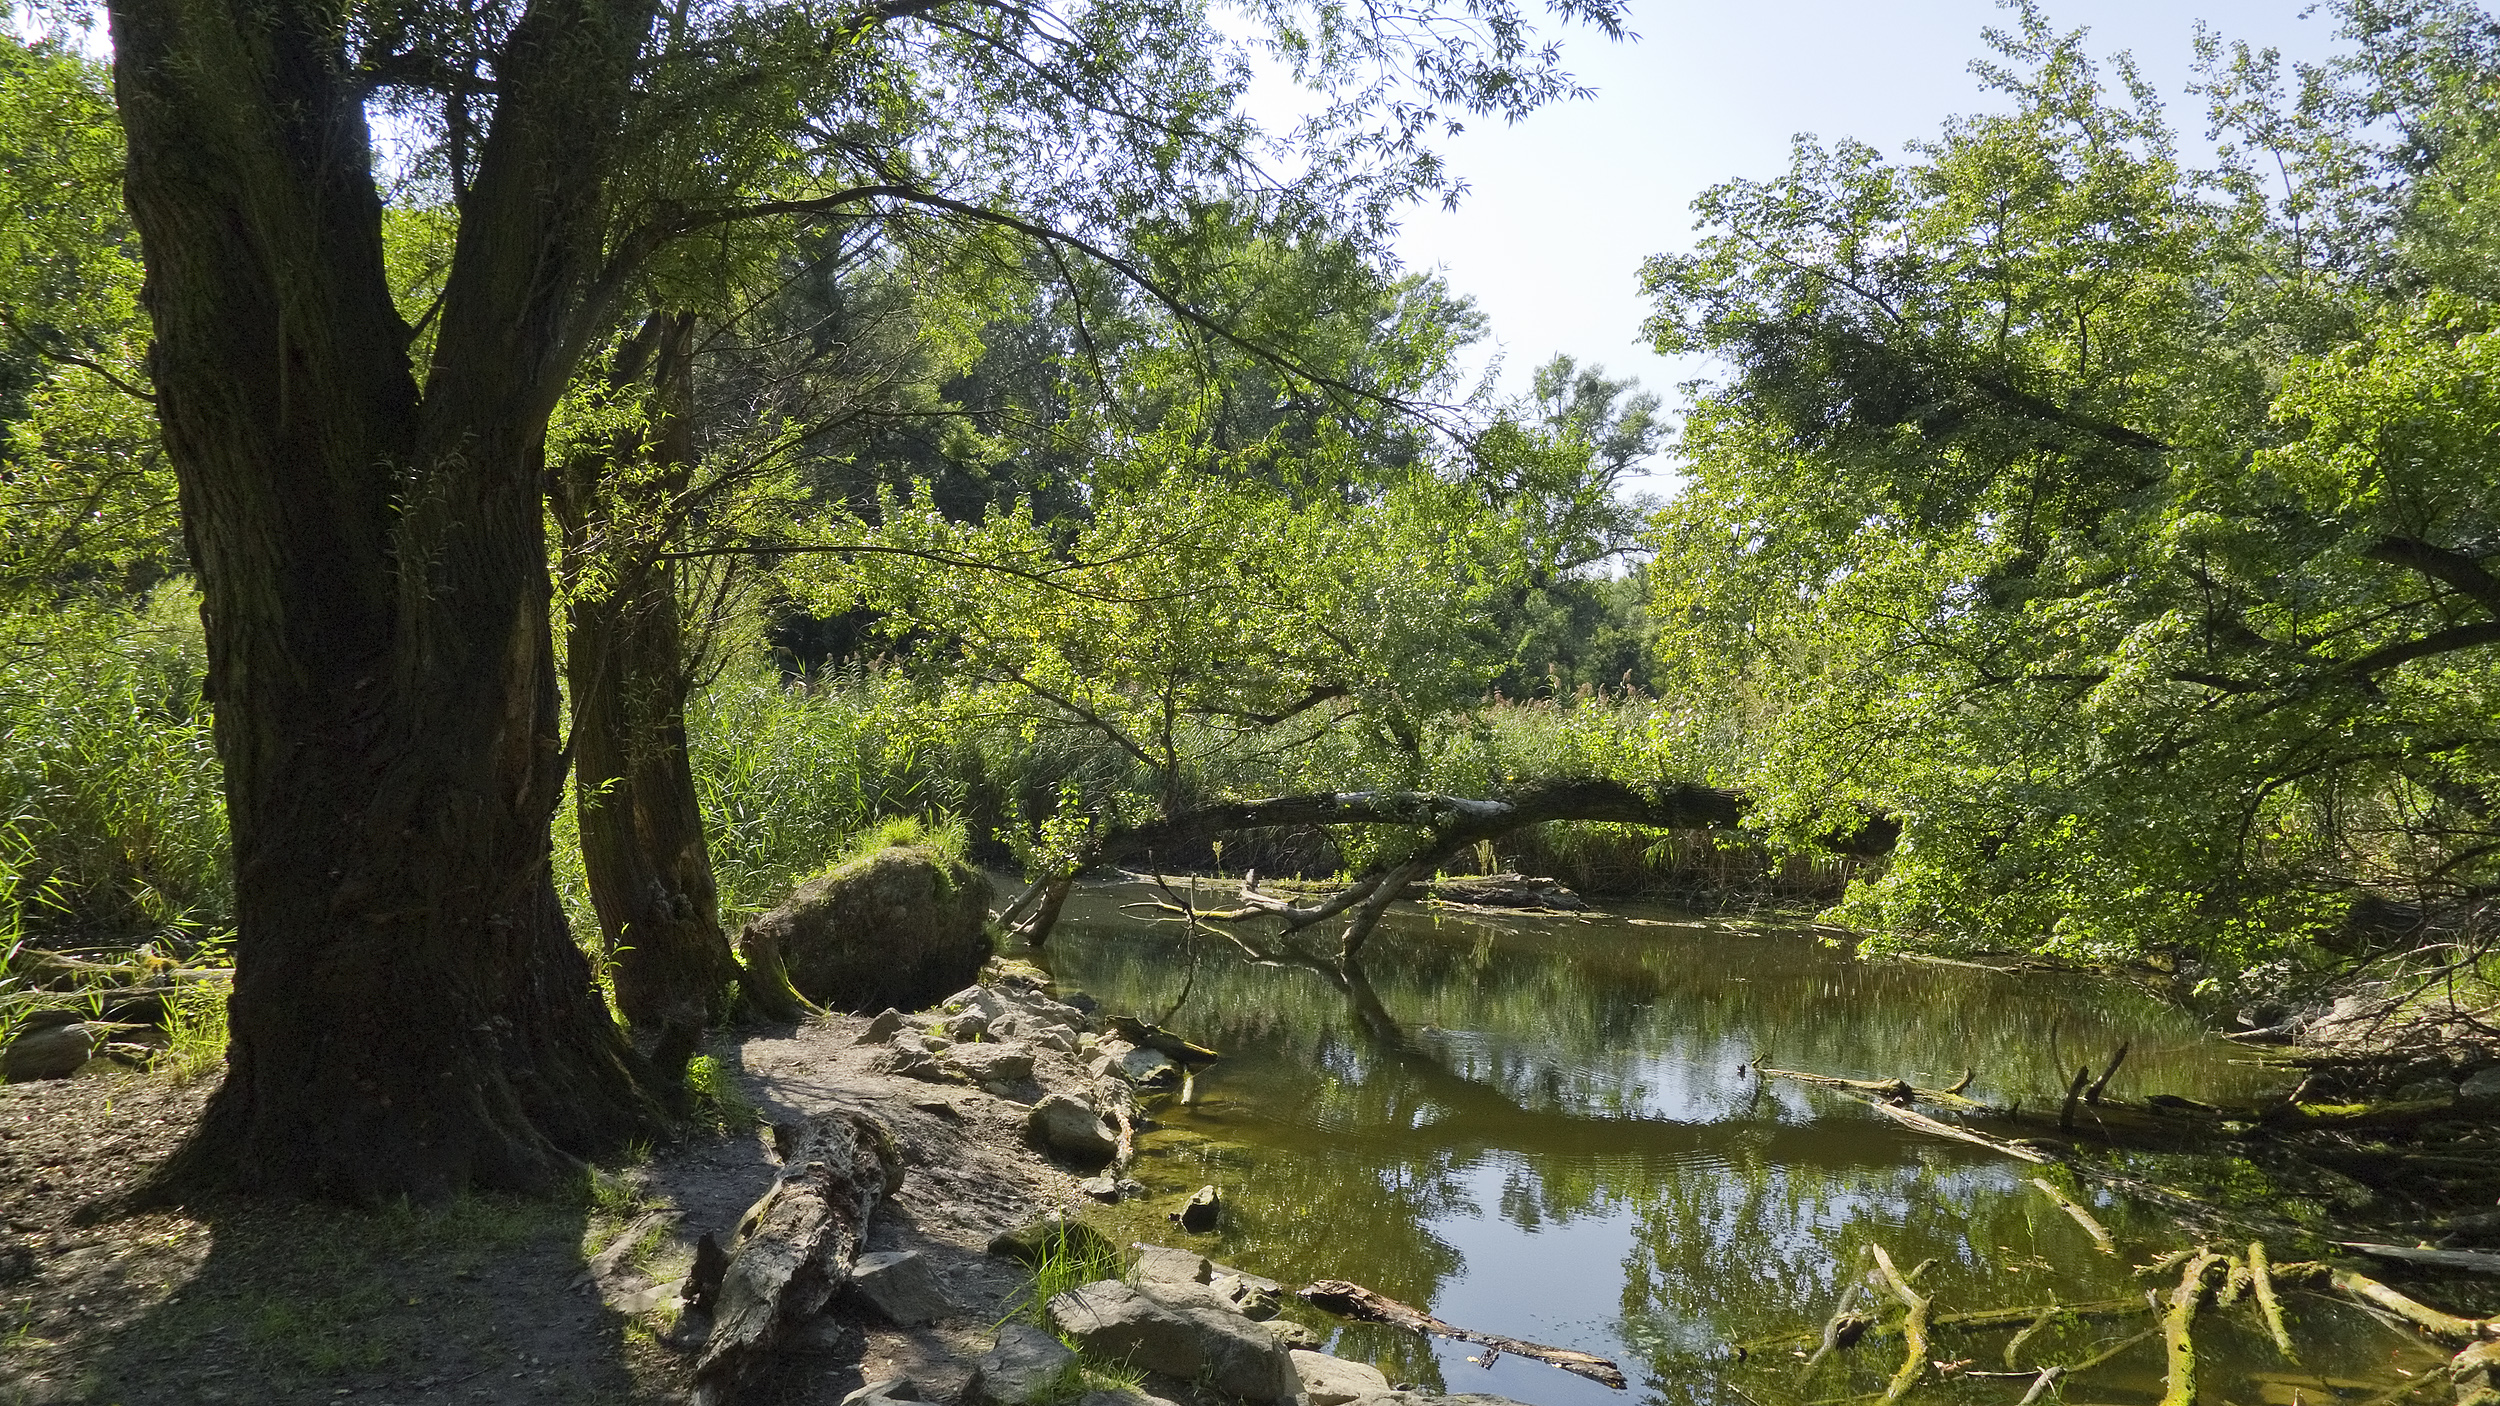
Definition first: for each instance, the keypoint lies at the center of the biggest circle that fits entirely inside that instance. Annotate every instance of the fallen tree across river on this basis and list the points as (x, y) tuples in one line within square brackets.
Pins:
[(1444, 826)]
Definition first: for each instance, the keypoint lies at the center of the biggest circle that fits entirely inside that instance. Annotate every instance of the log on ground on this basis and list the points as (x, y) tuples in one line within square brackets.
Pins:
[(795, 1245)]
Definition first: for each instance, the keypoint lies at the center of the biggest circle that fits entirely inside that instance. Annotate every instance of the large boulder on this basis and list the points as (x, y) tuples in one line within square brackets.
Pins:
[(900, 928), (54, 1045), (1225, 1351)]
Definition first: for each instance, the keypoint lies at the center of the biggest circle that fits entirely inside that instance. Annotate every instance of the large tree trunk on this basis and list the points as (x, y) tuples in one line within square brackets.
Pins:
[(643, 848), (644, 851), (410, 1014)]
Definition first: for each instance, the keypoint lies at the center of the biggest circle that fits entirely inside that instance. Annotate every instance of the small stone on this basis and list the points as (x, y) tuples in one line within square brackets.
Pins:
[(891, 1389), (1199, 1214), (1073, 1129), (971, 1025), (1248, 1294), (1162, 1264), (988, 1063), (1104, 1189), (1333, 1381), (886, 1026), (1147, 1068), (642, 1301), (2426, 1091), (898, 1284), (1293, 1335), (1029, 1366), (2482, 1086), (1122, 1398), (53, 1052)]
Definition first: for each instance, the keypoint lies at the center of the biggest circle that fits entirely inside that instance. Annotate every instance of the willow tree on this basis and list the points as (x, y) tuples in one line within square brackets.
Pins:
[(410, 1013)]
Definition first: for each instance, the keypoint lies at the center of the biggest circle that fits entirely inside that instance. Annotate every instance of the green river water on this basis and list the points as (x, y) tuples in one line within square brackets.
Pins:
[(1549, 1129)]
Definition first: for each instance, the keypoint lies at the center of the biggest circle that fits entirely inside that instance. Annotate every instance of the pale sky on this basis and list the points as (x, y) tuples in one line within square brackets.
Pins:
[(1563, 207)]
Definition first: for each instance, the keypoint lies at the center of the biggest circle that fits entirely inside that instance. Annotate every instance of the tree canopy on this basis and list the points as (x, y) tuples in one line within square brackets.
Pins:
[(2126, 527)]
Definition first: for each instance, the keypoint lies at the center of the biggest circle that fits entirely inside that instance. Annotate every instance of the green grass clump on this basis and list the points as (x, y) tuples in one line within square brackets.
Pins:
[(946, 835), (1067, 1261), (195, 1032), (717, 1098)]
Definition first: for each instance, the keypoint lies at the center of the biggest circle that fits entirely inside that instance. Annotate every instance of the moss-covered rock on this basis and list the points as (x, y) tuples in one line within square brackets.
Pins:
[(903, 927)]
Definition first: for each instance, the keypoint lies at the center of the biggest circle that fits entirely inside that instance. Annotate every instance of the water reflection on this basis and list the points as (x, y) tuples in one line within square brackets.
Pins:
[(1553, 1130)]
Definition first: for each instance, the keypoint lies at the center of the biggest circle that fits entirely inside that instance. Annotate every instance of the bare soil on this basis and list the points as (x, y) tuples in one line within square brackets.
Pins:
[(489, 1299)]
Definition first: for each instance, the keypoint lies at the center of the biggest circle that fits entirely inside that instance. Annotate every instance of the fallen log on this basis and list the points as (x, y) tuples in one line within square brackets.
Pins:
[(1843, 1329), (2431, 1322), (2178, 1348), (1926, 1124), (1505, 891), (1976, 1320), (1160, 1040), (1351, 1300), (1896, 1090), (2261, 1281), (794, 1247)]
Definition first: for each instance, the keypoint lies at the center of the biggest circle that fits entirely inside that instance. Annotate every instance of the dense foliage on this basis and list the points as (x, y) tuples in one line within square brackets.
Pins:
[(2126, 527)]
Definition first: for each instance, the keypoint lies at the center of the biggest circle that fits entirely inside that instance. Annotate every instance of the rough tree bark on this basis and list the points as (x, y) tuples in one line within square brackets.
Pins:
[(644, 851), (410, 1014)]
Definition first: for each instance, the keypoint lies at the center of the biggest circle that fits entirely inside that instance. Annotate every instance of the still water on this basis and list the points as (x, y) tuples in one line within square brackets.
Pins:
[(1550, 1129)]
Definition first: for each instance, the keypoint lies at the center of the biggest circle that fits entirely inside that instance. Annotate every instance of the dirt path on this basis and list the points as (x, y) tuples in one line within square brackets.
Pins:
[(489, 1300)]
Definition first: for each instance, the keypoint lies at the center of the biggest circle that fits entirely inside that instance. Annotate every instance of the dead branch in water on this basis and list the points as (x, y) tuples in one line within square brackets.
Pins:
[(2082, 1217), (1925, 1124), (2261, 1279), (1352, 1300), (2178, 1348), (1913, 1326)]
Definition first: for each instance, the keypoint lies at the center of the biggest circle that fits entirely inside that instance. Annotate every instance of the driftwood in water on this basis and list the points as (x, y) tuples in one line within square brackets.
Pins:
[(2470, 1261), (1505, 891), (1843, 1329), (1892, 1090), (1925, 1124), (1913, 1326), (2431, 1322), (2178, 1347), (1352, 1300), (794, 1247), (1160, 1040), (2082, 1217), (2261, 1282)]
